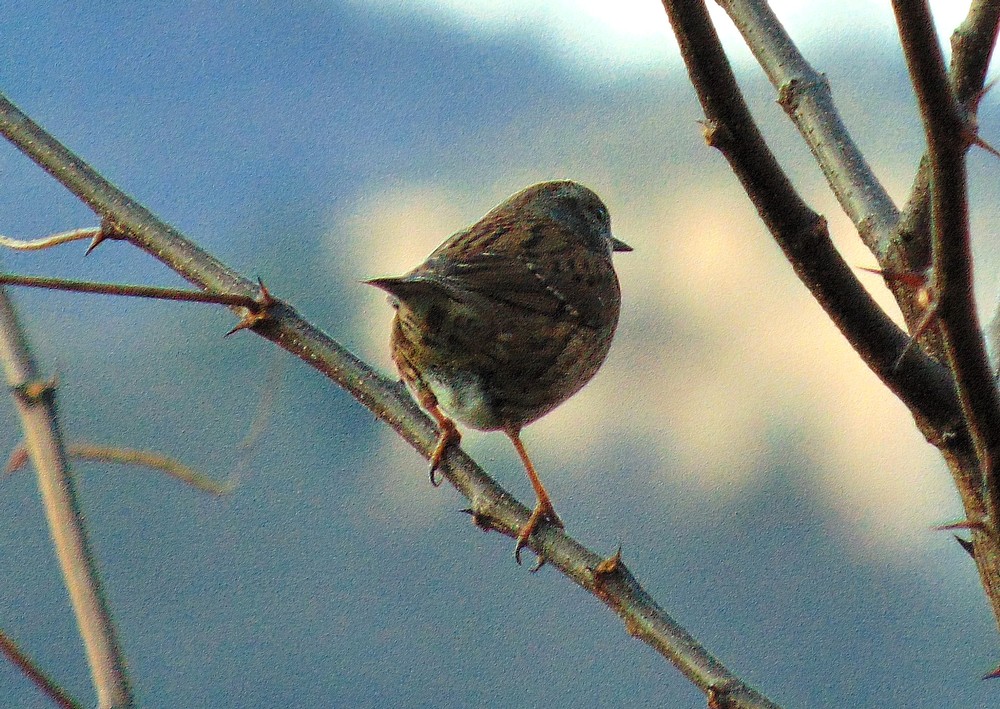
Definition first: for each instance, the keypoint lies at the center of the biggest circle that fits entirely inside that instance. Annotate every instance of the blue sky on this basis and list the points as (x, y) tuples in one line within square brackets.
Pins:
[(763, 485)]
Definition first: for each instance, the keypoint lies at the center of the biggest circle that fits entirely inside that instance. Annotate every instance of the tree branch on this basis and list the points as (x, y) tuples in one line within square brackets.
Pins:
[(947, 141), (35, 401), (492, 507), (805, 95)]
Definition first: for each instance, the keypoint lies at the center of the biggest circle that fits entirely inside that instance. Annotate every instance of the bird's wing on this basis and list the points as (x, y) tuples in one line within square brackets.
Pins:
[(509, 279)]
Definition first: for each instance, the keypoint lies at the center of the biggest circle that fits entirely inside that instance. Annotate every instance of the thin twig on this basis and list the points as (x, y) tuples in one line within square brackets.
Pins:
[(36, 406), (494, 508), (33, 672), (131, 456), (945, 127), (262, 417), (235, 300), (48, 242)]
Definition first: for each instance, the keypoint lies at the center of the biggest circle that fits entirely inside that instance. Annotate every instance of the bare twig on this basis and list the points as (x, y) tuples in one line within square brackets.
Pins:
[(492, 506), (262, 416), (947, 141), (36, 406), (50, 241), (131, 456), (236, 300), (34, 673)]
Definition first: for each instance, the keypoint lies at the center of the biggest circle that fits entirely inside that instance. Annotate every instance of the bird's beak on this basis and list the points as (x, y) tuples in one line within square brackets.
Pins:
[(617, 245)]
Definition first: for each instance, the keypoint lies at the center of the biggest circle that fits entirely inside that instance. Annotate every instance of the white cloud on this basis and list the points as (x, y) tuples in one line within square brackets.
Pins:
[(629, 35)]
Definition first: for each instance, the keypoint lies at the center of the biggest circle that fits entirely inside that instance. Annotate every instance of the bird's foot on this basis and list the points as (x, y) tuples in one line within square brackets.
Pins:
[(449, 435), (542, 513)]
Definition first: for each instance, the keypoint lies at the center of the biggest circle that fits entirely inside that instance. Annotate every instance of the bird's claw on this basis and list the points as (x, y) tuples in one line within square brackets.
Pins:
[(449, 435), (433, 471), (538, 515), (539, 562)]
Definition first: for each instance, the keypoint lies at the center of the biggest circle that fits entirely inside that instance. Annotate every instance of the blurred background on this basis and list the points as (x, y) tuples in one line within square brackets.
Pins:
[(766, 489)]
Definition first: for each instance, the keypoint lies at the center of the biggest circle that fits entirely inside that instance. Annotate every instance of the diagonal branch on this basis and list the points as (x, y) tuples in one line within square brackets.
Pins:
[(35, 673), (35, 401), (947, 140), (492, 507)]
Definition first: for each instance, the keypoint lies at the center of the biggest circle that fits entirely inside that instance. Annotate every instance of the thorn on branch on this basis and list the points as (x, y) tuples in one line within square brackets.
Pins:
[(479, 518), (967, 545), (971, 130), (920, 283), (607, 568), (18, 459), (985, 146), (964, 524), (714, 133), (258, 312), (109, 230)]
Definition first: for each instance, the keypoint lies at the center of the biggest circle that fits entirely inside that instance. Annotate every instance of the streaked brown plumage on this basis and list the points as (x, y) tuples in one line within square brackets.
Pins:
[(507, 319)]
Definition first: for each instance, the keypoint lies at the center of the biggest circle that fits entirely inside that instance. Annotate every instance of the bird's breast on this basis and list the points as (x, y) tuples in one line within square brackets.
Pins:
[(463, 397)]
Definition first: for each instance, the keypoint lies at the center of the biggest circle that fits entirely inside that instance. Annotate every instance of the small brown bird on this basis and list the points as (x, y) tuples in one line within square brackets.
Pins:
[(507, 319)]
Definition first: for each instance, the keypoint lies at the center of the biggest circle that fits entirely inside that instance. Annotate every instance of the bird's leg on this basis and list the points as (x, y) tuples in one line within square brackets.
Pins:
[(448, 433), (543, 508)]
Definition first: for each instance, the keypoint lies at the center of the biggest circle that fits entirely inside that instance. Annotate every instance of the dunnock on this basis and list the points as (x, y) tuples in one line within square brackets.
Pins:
[(507, 319)]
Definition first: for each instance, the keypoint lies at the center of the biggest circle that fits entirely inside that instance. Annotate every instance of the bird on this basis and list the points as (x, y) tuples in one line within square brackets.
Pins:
[(507, 319)]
